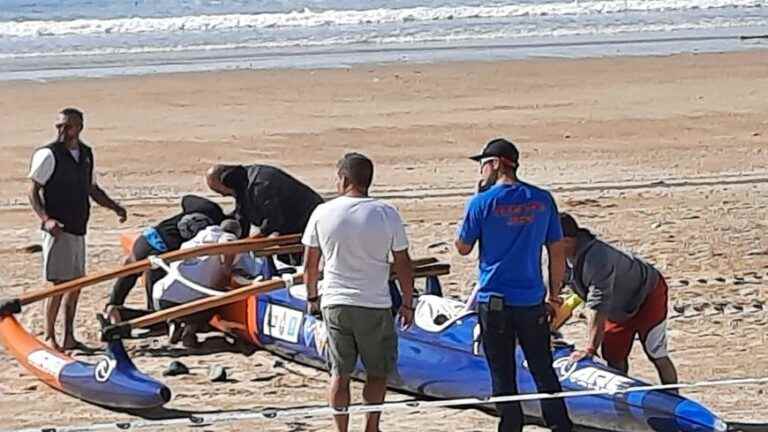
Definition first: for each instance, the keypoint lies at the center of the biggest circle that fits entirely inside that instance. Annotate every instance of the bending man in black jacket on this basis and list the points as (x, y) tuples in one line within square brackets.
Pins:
[(267, 197)]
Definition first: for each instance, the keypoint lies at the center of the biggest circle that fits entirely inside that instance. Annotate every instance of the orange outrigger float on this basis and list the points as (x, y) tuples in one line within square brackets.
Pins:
[(114, 381)]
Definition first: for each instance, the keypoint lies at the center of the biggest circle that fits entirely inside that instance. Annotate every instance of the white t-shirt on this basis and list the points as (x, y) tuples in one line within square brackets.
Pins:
[(356, 236), (204, 270), (43, 164)]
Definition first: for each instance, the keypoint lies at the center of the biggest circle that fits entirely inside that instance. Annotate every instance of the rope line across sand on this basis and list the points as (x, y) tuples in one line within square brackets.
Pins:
[(408, 405)]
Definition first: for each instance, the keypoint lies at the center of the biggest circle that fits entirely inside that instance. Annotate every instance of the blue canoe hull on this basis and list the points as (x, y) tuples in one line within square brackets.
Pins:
[(112, 382), (450, 364)]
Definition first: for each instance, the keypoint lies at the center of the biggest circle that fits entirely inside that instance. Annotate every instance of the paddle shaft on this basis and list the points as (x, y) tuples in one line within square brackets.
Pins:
[(208, 303), (139, 266)]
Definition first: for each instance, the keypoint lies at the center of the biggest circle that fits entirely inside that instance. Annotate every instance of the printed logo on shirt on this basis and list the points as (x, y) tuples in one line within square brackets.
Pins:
[(519, 214)]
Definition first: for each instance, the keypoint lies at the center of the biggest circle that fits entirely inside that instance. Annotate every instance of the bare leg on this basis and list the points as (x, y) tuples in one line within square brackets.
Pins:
[(51, 311), (338, 396), (666, 370), (70, 307), (373, 393)]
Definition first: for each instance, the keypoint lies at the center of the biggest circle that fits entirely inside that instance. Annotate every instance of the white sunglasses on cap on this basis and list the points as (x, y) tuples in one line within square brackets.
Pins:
[(485, 160)]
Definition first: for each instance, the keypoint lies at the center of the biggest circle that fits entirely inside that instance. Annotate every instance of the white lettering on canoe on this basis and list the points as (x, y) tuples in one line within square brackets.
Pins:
[(282, 323), (47, 362), (589, 377)]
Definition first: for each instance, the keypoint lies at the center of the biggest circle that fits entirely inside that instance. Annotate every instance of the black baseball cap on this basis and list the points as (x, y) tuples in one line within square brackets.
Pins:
[(499, 147)]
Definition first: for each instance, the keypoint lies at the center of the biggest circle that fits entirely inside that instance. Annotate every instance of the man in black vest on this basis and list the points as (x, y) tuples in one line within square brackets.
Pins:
[(267, 197), (62, 186)]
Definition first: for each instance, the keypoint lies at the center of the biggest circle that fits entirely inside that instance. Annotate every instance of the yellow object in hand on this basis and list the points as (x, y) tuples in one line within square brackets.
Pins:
[(566, 310)]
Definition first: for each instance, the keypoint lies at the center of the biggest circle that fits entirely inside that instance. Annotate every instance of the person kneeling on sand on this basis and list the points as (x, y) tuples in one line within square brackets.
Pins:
[(212, 272), (624, 296), (168, 235)]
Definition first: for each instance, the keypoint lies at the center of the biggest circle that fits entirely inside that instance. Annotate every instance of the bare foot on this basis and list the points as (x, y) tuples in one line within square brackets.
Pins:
[(52, 342), (72, 344)]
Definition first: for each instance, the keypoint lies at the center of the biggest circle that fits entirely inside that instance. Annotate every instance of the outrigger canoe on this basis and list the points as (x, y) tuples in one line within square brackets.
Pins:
[(439, 357), (113, 380)]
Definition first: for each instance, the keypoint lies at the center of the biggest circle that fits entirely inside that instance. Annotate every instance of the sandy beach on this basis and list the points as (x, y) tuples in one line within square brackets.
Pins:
[(666, 156)]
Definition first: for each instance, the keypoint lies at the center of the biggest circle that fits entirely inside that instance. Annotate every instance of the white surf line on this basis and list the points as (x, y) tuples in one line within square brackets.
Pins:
[(408, 405)]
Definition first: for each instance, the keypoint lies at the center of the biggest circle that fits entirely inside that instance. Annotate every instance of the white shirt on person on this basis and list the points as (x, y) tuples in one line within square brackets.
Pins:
[(206, 270), (44, 163), (355, 236)]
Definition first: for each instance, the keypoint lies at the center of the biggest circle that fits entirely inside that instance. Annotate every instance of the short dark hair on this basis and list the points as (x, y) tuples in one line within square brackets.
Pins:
[(73, 112), (358, 169), (569, 225)]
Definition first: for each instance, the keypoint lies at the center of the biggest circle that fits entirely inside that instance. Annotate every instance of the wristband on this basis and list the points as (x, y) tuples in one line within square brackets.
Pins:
[(313, 299), (591, 351)]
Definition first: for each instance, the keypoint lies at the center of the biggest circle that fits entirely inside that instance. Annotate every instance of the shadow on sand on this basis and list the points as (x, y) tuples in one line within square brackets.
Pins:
[(211, 345)]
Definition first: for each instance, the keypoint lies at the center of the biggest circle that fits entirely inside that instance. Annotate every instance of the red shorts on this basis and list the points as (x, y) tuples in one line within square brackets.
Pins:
[(650, 323)]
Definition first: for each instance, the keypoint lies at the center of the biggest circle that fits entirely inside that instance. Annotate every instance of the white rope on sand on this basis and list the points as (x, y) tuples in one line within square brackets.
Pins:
[(409, 405)]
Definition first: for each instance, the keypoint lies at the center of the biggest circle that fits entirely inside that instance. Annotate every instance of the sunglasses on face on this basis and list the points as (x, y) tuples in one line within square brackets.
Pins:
[(484, 161)]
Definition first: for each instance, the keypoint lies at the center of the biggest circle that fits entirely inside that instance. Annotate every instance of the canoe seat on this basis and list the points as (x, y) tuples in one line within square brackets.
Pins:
[(435, 313)]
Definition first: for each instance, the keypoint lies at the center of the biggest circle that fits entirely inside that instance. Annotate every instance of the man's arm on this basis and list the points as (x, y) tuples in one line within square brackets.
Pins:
[(49, 225), (556, 253), (102, 199), (36, 201), (463, 248), (312, 275), (469, 231), (599, 297), (595, 330), (404, 273), (274, 219)]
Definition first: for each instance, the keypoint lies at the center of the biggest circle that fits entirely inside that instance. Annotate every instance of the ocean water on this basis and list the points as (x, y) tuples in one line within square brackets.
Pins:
[(62, 38)]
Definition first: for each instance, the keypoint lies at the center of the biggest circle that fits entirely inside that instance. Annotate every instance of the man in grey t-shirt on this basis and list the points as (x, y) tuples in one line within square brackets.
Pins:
[(625, 296)]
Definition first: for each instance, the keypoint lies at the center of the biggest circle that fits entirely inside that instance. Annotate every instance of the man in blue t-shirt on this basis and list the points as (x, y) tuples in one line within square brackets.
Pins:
[(513, 221)]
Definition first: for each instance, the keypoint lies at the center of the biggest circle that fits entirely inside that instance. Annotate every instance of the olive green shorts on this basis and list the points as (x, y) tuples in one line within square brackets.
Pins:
[(359, 331)]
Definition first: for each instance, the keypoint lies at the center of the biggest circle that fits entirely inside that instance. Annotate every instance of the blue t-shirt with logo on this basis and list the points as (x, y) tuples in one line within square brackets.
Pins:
[(512, 222)]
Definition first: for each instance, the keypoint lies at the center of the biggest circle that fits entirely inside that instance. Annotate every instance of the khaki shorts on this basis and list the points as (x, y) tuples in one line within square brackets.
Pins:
[(367, 332), (63, 257)]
